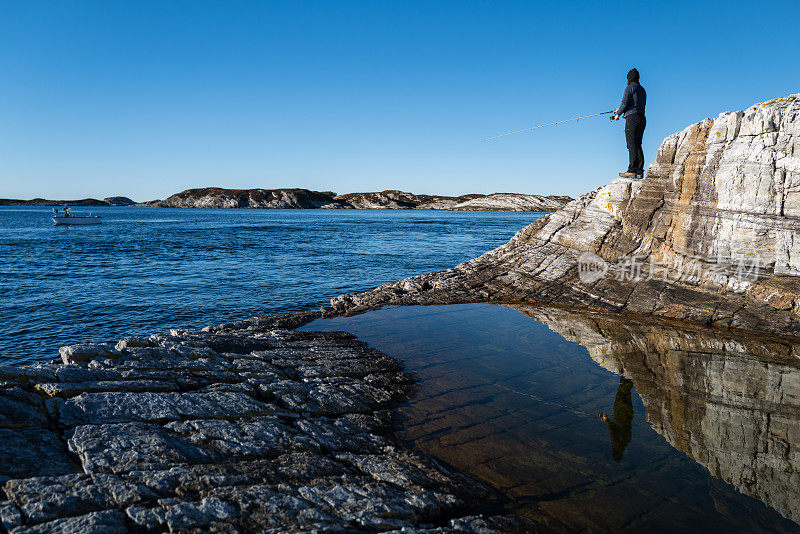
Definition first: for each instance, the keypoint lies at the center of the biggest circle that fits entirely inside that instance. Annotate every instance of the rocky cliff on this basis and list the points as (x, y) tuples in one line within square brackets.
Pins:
[(710, 235), (731, 402)]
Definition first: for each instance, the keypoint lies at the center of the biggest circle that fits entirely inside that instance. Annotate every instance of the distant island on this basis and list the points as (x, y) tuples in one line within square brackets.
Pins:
[(109, 201), (217, 197)]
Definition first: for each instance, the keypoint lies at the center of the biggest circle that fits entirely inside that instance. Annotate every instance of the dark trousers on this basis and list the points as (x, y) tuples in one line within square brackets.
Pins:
[(634, 131)]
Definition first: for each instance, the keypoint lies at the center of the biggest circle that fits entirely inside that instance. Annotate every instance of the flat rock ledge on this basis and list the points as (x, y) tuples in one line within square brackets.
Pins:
[(241, 427)]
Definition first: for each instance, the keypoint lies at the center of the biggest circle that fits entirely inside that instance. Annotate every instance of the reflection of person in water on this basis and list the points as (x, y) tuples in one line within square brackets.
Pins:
[(619, 425)]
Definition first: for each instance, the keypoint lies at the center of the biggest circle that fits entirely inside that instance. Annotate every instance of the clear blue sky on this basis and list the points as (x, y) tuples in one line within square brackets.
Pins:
[(145, 99)]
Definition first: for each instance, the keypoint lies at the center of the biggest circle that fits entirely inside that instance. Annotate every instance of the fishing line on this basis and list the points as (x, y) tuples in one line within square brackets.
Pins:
[(549, 124)]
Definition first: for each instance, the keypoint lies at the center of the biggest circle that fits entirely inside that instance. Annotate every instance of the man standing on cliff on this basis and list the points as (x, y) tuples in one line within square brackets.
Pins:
[(632, 108)]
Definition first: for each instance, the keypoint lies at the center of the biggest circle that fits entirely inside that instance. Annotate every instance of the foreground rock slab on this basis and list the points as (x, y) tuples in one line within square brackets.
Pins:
[(241, 427)]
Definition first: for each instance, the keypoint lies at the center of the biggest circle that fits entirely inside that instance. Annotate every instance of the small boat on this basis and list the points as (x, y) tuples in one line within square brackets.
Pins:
[(76, 219)]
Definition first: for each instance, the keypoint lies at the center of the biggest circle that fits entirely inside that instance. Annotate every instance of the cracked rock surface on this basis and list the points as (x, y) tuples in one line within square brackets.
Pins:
[(240, 427), (682, 243)]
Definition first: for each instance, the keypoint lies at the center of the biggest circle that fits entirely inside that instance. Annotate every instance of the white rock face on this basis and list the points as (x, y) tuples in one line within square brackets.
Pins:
[(736, 180)]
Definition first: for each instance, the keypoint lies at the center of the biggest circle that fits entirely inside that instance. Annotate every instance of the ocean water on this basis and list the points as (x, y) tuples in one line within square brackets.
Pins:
[(145, 270)]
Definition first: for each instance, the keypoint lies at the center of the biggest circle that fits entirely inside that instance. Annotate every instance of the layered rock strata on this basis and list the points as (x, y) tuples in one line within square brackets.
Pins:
[(246, 426), (711, 235), (730, 402)]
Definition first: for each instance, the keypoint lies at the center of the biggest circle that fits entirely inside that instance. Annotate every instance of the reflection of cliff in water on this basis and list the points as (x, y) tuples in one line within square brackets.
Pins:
[(731, 401)]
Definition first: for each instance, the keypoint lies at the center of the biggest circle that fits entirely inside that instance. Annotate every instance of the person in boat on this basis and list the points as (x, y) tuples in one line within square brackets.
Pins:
[(619, 425), (632, 109), (67, 212)]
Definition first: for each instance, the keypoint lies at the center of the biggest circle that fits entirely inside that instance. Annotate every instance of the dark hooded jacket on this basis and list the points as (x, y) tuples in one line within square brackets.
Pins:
[(633, 100)]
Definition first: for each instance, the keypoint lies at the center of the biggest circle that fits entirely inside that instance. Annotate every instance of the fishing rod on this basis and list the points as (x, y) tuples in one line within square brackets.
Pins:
[(549, 124)]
